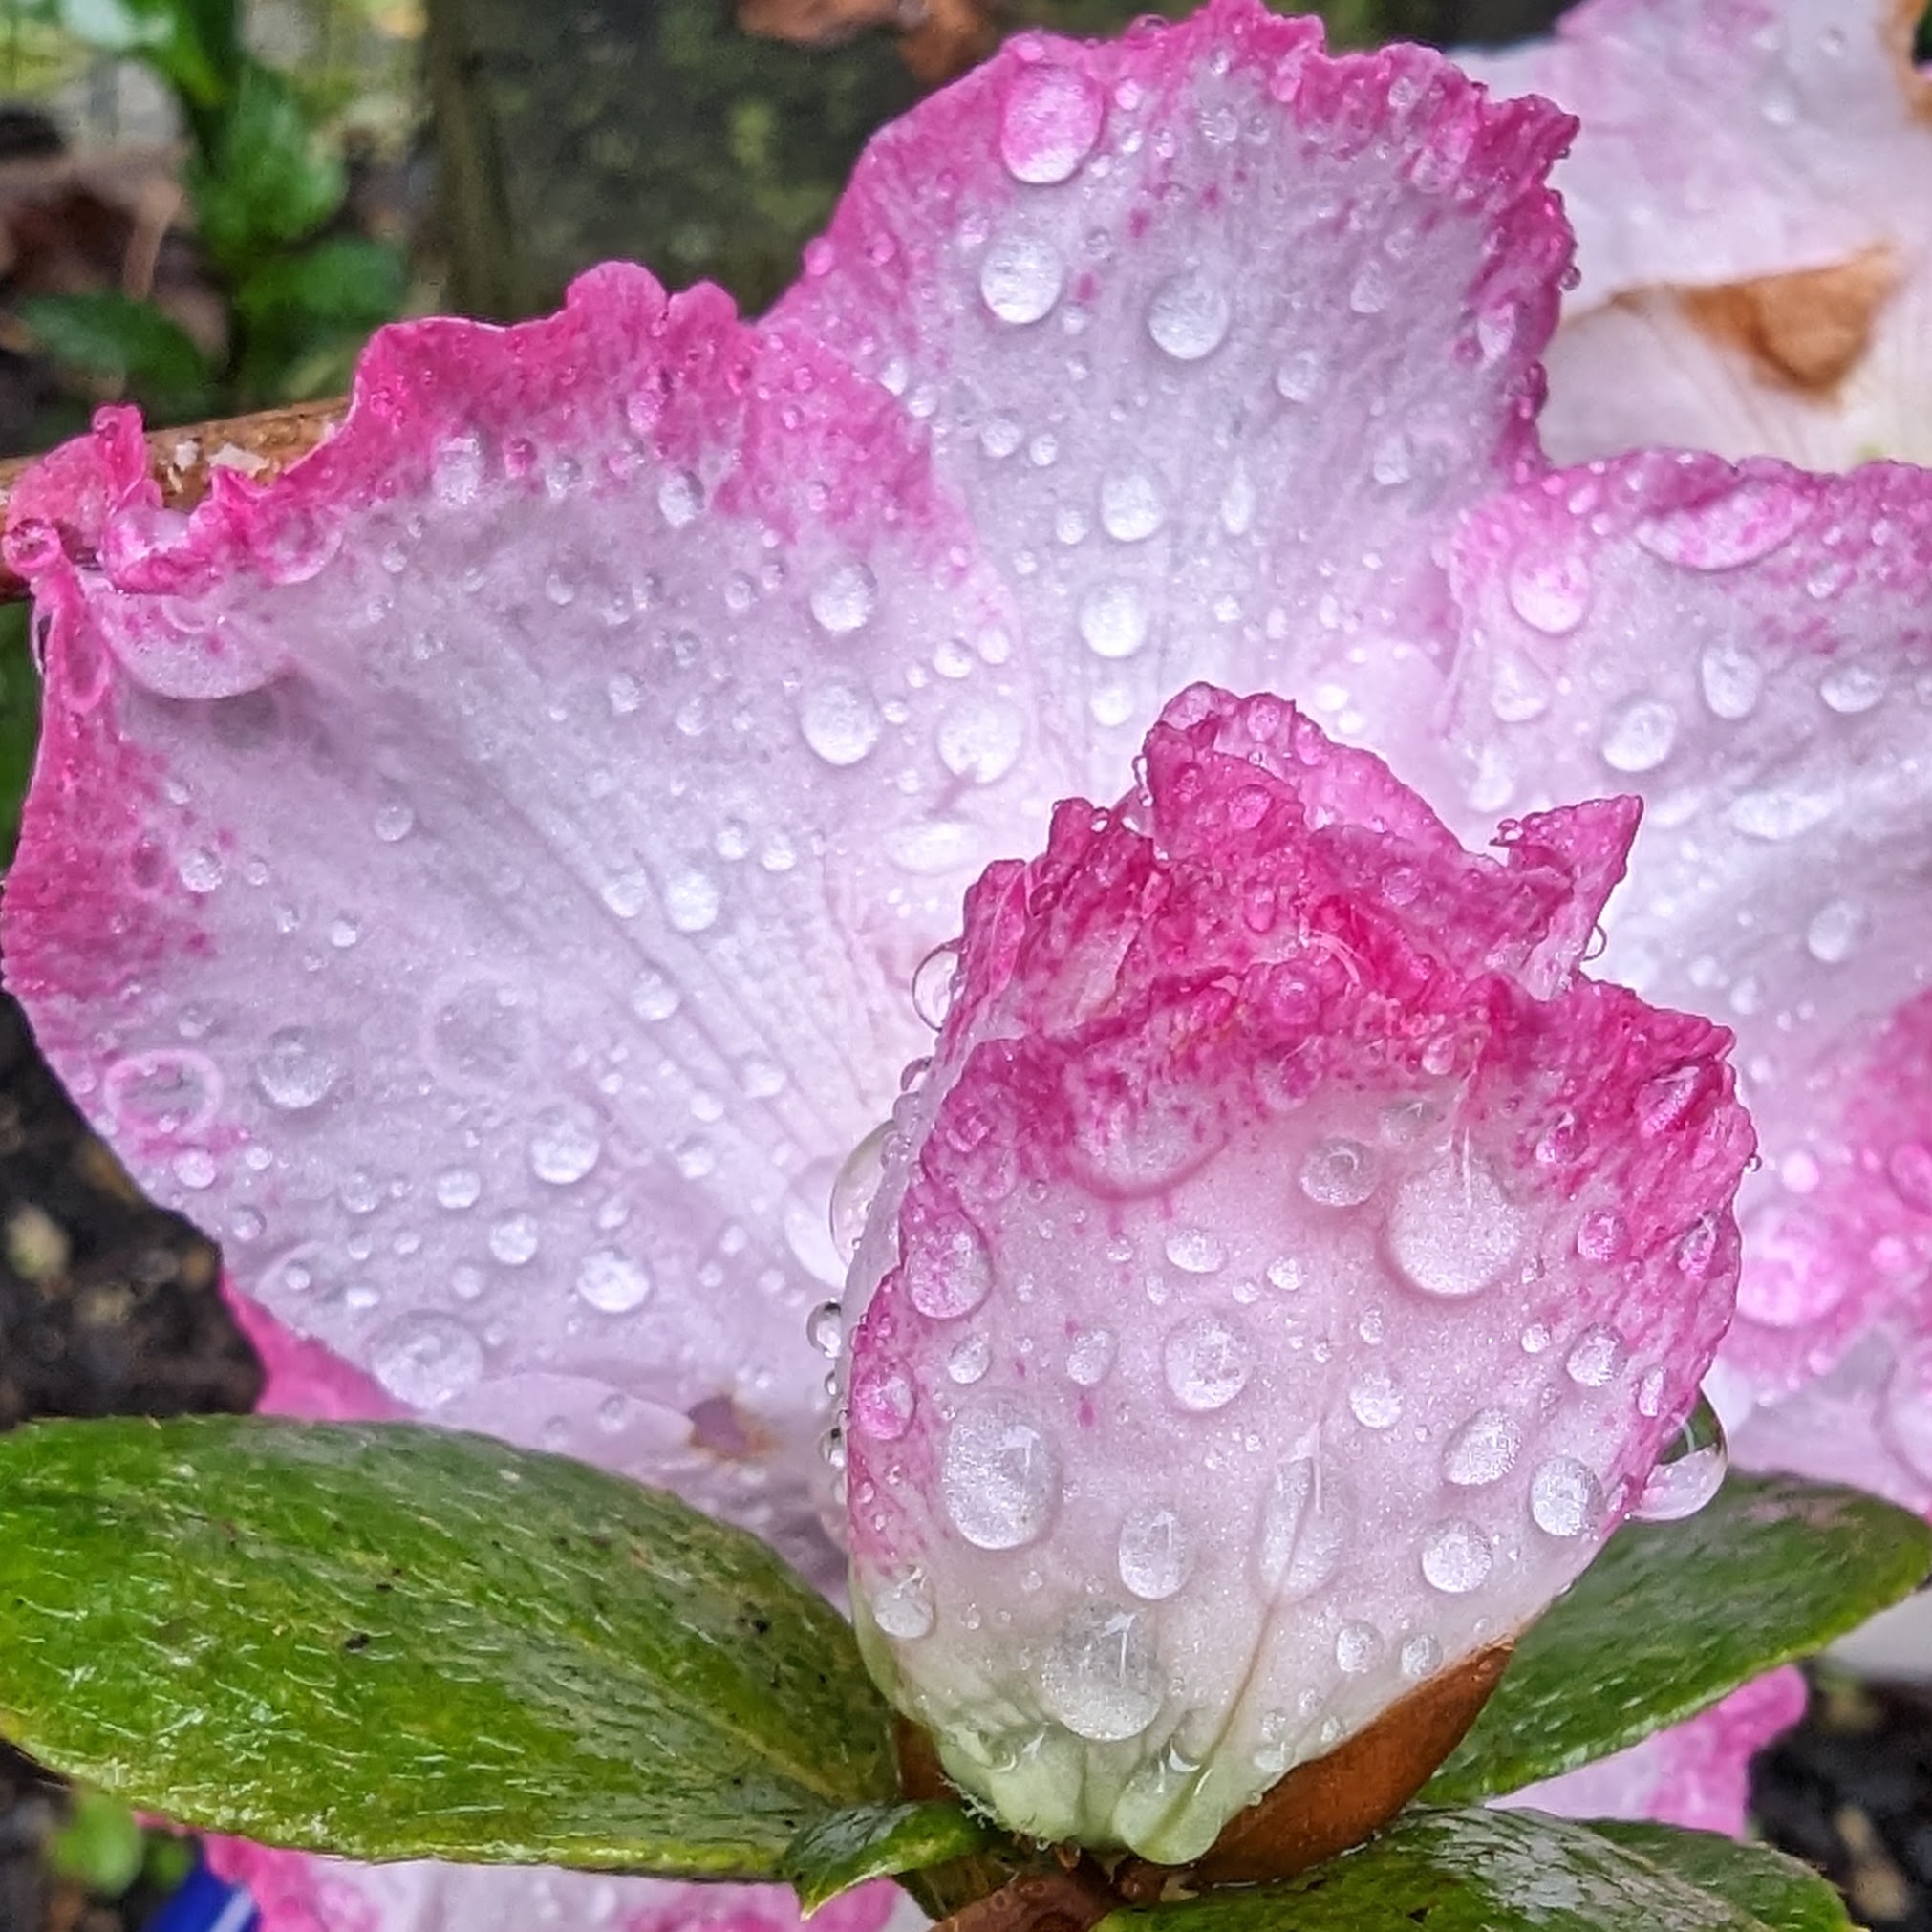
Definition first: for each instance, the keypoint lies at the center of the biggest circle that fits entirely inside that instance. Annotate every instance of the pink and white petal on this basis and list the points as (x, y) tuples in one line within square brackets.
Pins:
[(297, 1892), (1212, 333), (1753, 648), (477, 874), (1723, 140), (1645, 370), (1696, 1775), (1165, 1476)]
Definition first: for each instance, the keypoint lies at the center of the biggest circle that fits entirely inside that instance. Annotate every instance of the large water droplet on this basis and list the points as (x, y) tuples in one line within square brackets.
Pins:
[(843, 599), (612, 1282), (826, 1328), (427, 1360), (1596, 1357), (1374, 1400), (1457, 1558), (1304, 1527), (1100, 1679), (980, 739), (1359, 1648), (1113, 621), (1049, 122), (1484, 1449), (1451, 1230), (1207, 1363), (565, 1143), (295, 1071), (854, 1190), (1339, 1173), (1020, 277), (934, 982), (168, 1094), (1638, 735), (1551, 594), (1131, 508), (1690, 1470), (1001, 1478), (948, 1272), (1188, 316), (1155, 1553), (1565, 1498), (691, 899), (1090, 1355), (903, 1608), (839, 720), (1732, 681), (1835, 931)]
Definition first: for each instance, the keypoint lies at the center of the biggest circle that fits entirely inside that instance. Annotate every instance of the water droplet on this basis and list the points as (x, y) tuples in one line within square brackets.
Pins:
[(843, 599), (854, 1190), (970, 1360), (1090, 1355), (1020, 277), (882, 1401), (458, 1189), (1908, 1167), (839, 722), (514, 1239), (1732, 681), (1484, 1449), (1155, 1553), (394, 821), (201, 870), (653, 997), (1188, 316), (1098, 1679), (1551, 594), (1565, 1498), (1131, 508), (195, 1168), (1207, 1363), (1374, 1400), (1194, 1251), (612, 1282), (1001, 1478), (935, 983), (1359, 1648), (565, 1143), (1596, 1357), (1298, 379), (427, 1360), (1852, 689), (903, 1608), (1457, 1558), (1690, 1472), (1421, 1657), (1339, 1173), (295, 1071), (1113, 622), (1737, 528), (1835, 931), (165, 1095), (1304, 1527), (1638, 735), (826, 1328), (1451, 1230), (1776, 816), (1049, 122), (681, 496), (691, 900), (980, 739), (948, 1272)]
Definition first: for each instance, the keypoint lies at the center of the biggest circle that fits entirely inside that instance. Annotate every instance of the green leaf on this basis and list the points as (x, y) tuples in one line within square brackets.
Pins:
[(101, 1846), (1475, 1871), (265, 179), (879, 1841), (1673, 1616), (19, 720), (344, 281), (113, 336), (400, 1642), (1779, 1891)]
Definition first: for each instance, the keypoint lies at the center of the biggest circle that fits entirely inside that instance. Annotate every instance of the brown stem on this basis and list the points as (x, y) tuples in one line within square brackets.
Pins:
[(180, 459), (1067, 1899)]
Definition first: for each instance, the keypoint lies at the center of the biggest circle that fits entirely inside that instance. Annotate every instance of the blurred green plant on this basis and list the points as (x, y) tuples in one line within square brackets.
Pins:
[(19, 721), (266, 188)]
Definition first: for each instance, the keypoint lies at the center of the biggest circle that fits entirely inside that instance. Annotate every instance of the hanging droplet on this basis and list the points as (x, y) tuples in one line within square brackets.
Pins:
[(1690, 1472), (826, 1328), (932, 983), (853, 1192)]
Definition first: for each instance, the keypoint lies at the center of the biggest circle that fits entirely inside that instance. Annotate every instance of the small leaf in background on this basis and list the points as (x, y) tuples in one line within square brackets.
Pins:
[(1780, 1891), (1672, 1616), (403, 1643), (305, 315), (100, 1846), (879, 1841), (19, 720), (267, 179), (121, 342), (1484, 1871)]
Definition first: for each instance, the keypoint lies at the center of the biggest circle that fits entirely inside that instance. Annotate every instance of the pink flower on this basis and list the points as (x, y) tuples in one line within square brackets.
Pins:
[(1282, 1284), (1755, 245), (479, 873)]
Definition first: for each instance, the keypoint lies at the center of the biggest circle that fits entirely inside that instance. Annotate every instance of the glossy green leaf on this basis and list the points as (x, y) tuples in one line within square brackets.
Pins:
[(111, 336), (879, 1841), (266, 179), (1473, 1871), (1779, 1891), (343, 281), (398, 1642), (1672, 1616)]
